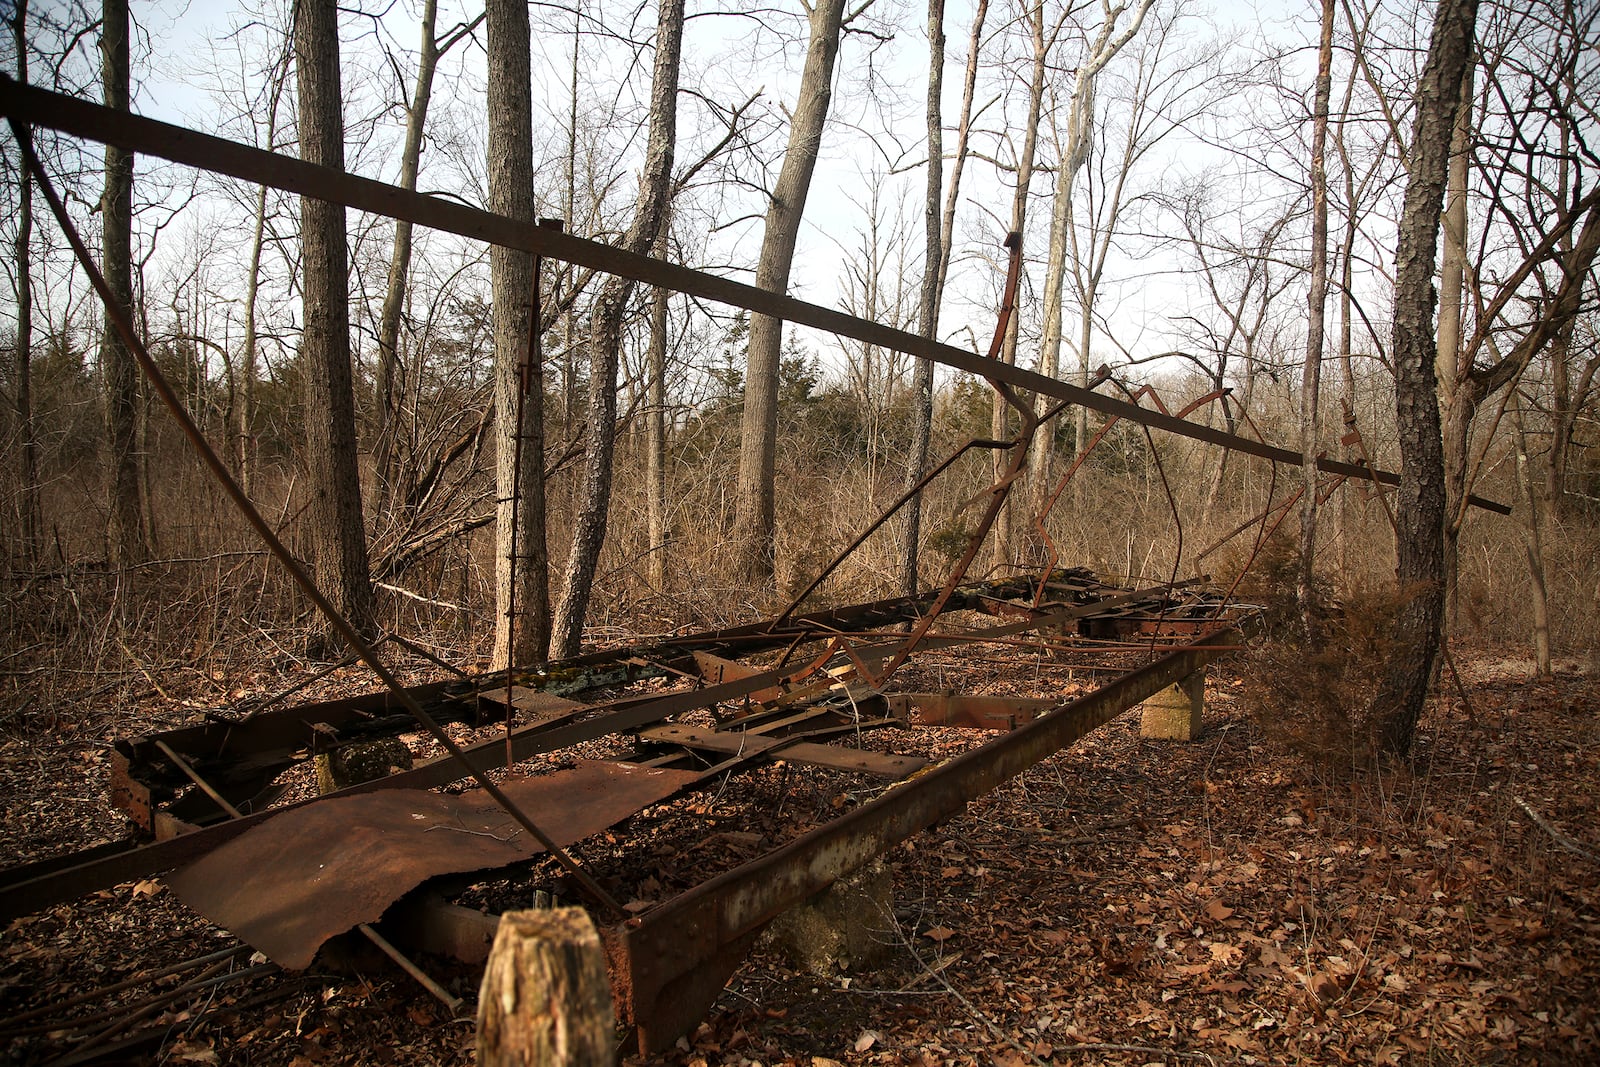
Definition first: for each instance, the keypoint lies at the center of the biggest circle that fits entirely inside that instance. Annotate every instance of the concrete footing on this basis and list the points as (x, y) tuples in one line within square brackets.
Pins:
[(1174, 713)]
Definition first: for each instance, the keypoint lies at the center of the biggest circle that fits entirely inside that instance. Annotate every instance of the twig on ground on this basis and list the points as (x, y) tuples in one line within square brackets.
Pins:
[(1556, 835)]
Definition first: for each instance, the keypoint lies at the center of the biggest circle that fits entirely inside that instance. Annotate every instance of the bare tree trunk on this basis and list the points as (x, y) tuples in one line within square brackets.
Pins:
[(1000, 535), (655, 448), (244, 413), (30, 517), (526, 639), (928, 295), (1533, 519), (1074, 152), (1454, 390), (127, 533), (338, 533), (1316, 319), (605, 336), (755, 511), (394, 297), (1404, 687)]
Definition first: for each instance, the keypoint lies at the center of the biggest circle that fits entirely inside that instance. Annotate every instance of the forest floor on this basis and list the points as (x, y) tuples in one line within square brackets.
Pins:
[(1128, 901)]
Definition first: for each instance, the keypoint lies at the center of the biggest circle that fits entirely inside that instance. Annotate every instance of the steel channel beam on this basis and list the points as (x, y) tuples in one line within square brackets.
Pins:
[(670, 963), (136, 133)]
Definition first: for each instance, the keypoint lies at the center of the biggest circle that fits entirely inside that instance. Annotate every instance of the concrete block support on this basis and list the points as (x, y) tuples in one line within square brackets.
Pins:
[(1174, 713)]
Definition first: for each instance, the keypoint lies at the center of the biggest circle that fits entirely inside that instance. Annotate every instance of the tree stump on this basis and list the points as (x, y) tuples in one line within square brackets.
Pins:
[(545, 997), (364, 761)]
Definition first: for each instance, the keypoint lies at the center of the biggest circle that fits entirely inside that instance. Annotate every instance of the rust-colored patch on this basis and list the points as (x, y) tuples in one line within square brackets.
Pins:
[(314, 872)]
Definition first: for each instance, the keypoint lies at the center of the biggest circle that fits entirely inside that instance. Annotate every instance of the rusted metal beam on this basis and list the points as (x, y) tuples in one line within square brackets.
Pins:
[(670, 963), (80, 118)]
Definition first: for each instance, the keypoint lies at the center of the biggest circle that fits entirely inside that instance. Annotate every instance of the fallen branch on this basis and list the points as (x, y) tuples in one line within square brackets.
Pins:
[(1556, 835)]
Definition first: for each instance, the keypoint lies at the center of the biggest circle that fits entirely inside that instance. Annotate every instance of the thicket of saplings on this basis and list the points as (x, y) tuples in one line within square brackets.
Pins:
[(210, 617)]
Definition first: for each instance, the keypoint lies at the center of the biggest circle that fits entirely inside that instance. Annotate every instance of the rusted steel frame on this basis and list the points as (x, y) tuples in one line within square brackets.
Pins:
[(669, 963), (146, 136), (60, 883), (118, 317), (1054, 554)]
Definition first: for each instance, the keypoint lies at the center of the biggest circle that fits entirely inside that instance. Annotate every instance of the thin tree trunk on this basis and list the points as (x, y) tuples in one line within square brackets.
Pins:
[(605, 336), (245, 412), (1316, 318), (127, 533), (338, 532), (655, 449), (1000, 535), (1074, 153), (30, 516), (755, 510), (928, 295), (1533, 518), (1454, 391), (400, 261), (526, 639), (1420, 570)]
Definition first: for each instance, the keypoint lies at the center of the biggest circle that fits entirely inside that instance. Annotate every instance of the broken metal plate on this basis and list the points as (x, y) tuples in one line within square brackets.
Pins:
[(314, 872)]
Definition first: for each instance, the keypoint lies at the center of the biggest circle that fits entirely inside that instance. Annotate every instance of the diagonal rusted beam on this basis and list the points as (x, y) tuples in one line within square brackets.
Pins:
[(147, 136)]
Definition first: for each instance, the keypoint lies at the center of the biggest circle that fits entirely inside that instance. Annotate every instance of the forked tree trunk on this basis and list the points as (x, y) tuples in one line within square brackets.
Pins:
[(524, 640), (755, 510), (338, 534), (1420, 571), (605, 336), (127, 532)]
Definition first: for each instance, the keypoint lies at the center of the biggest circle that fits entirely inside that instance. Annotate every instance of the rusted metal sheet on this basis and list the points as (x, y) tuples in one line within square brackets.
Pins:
[(298, 879), (670, 963), (970, 712)]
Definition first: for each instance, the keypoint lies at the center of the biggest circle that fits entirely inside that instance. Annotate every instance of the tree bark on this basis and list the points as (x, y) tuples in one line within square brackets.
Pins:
[(755, 511), (545, 999), (338, 533), (127, 532), (524, 640), (605, 335), (1420, 571), (1316, 320)]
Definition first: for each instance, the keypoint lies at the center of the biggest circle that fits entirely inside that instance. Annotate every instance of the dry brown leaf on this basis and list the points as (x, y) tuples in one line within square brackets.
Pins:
[(939, 934)]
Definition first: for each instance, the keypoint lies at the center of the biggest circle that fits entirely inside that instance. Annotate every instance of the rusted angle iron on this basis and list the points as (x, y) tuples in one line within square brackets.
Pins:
[(136, 133), (669, 964)]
